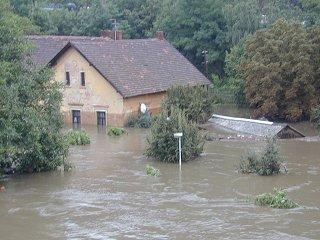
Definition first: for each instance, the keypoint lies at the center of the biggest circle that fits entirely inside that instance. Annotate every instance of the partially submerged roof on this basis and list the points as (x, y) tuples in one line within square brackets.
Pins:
[(133, 67), (256, 127)]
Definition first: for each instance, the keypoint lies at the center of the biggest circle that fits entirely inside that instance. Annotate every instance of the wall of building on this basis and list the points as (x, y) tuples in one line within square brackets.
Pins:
[(153, 101), (97, 94)]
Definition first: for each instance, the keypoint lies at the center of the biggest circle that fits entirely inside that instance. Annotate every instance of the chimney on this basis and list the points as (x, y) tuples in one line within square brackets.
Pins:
[(111, 34), (160, 35)]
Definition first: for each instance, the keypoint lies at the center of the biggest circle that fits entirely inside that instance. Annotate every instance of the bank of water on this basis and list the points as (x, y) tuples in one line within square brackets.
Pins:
[(109, 196)]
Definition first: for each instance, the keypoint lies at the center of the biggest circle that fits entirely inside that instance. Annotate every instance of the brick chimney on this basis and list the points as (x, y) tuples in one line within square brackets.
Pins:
[(159, 35), (111, 34)]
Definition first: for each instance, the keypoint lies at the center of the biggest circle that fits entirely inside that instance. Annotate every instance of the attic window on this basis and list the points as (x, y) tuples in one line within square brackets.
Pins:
[(83, 79), (68, 78)]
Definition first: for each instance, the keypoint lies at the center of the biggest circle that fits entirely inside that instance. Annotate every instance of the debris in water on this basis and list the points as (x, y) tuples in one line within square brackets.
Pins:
[(2, 189)]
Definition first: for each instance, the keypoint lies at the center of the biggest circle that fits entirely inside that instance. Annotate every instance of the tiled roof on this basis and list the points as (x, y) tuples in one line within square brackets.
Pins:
[(133, 67)]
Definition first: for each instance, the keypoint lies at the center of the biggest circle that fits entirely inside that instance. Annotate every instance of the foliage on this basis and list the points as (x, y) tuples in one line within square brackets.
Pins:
[(164, 147), (268, 163), (193, 26), (78, 137), (244, 17), (142, 120), (151, 171), (196, 101), (30, 120), (115, 131), (315, 115), (311, 10), (234, 77), (279, 78), (277, 199)]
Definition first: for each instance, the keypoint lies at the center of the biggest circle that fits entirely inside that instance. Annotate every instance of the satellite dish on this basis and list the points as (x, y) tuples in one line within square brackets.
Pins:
[(143, 108)]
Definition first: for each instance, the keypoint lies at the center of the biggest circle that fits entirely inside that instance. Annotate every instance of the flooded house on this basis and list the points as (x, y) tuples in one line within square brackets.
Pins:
[(107, 78), (254, 127)]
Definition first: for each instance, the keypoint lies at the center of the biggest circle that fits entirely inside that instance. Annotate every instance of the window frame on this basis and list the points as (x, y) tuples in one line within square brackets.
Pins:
[(82, 79), (68, 80), (104, 121), (78, 117)]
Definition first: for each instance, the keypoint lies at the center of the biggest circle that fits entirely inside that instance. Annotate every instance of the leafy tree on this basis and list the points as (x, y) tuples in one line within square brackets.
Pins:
[(193, 26), (311, 9), (244, 17), (137, 17), (30, 120), (197, 102), (279, 77), (163, 146)]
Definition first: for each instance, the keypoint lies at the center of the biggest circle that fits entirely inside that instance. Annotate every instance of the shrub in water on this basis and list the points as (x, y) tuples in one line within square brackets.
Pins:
[(267, 163), (151, 171), (142, 120), (197, 101), (277, 199), (115, 131), (78, 138), (164, 147)]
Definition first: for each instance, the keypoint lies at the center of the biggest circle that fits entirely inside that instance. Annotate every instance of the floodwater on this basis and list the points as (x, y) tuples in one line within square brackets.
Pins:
[(109, 196)]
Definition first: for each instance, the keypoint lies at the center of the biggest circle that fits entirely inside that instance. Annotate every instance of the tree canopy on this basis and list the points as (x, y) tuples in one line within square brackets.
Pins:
[(30, 121)]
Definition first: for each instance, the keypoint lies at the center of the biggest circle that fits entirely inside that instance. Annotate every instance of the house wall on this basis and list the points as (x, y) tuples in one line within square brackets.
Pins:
[(153, 101), (97, 94)]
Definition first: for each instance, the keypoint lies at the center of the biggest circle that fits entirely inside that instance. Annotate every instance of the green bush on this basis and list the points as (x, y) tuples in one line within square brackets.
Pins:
[(267, 163), (142, 120), (78, 138), (151, 171), (164, 147), (197, 101), (115, 131), (277, 199), (315, 116)]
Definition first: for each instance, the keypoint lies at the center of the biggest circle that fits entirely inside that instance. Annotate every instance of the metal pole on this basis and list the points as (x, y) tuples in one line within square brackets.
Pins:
[(180, 152)]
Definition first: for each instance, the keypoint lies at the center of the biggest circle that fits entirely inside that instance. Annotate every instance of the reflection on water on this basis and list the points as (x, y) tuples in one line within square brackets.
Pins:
[(109, 196)]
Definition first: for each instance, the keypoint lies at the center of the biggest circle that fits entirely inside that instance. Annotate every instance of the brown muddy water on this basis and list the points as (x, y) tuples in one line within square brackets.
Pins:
[(109, 196)]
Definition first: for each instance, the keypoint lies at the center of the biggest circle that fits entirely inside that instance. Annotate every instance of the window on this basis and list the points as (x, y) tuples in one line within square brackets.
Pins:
[(76, 116), (68, 78), (101, 118), (83, 79)]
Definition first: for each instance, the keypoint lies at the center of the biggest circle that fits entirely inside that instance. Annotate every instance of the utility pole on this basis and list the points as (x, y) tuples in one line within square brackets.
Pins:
[(114, 27), (205, 53)]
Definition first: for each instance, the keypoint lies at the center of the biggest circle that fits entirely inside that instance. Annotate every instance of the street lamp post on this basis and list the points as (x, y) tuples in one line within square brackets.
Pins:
[(179, 135)]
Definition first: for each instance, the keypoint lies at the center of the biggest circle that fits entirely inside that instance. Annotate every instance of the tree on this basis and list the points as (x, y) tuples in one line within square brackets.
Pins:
[(311, 9), (194, 26), (163, 146), (30, 120), (196, 101), (278, 72)]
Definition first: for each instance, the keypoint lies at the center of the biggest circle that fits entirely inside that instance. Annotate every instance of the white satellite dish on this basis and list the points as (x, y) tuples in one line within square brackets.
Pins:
[(143, 108)]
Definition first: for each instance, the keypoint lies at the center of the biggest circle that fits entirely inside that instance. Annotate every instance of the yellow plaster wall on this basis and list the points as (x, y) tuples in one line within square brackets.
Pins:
[(98, 94), (153, 101)]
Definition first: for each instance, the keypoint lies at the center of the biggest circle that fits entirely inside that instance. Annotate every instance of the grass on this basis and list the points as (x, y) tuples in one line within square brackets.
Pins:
[(151, 171), (277, 199), (115, 131), (78, 138)]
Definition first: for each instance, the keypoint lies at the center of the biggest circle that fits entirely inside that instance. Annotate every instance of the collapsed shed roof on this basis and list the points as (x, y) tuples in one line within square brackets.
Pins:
[(256, 127)]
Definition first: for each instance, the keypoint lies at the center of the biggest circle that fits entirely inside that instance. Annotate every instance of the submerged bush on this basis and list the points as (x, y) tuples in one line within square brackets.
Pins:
[(78, 138), (142, 120), (151, 171), (197, 101), (277, 199), (164, 147), (115, 131), (267, 163)]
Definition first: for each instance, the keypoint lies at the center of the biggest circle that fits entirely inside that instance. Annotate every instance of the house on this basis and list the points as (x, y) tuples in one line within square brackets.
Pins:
[(256, 127), (106, 80)]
